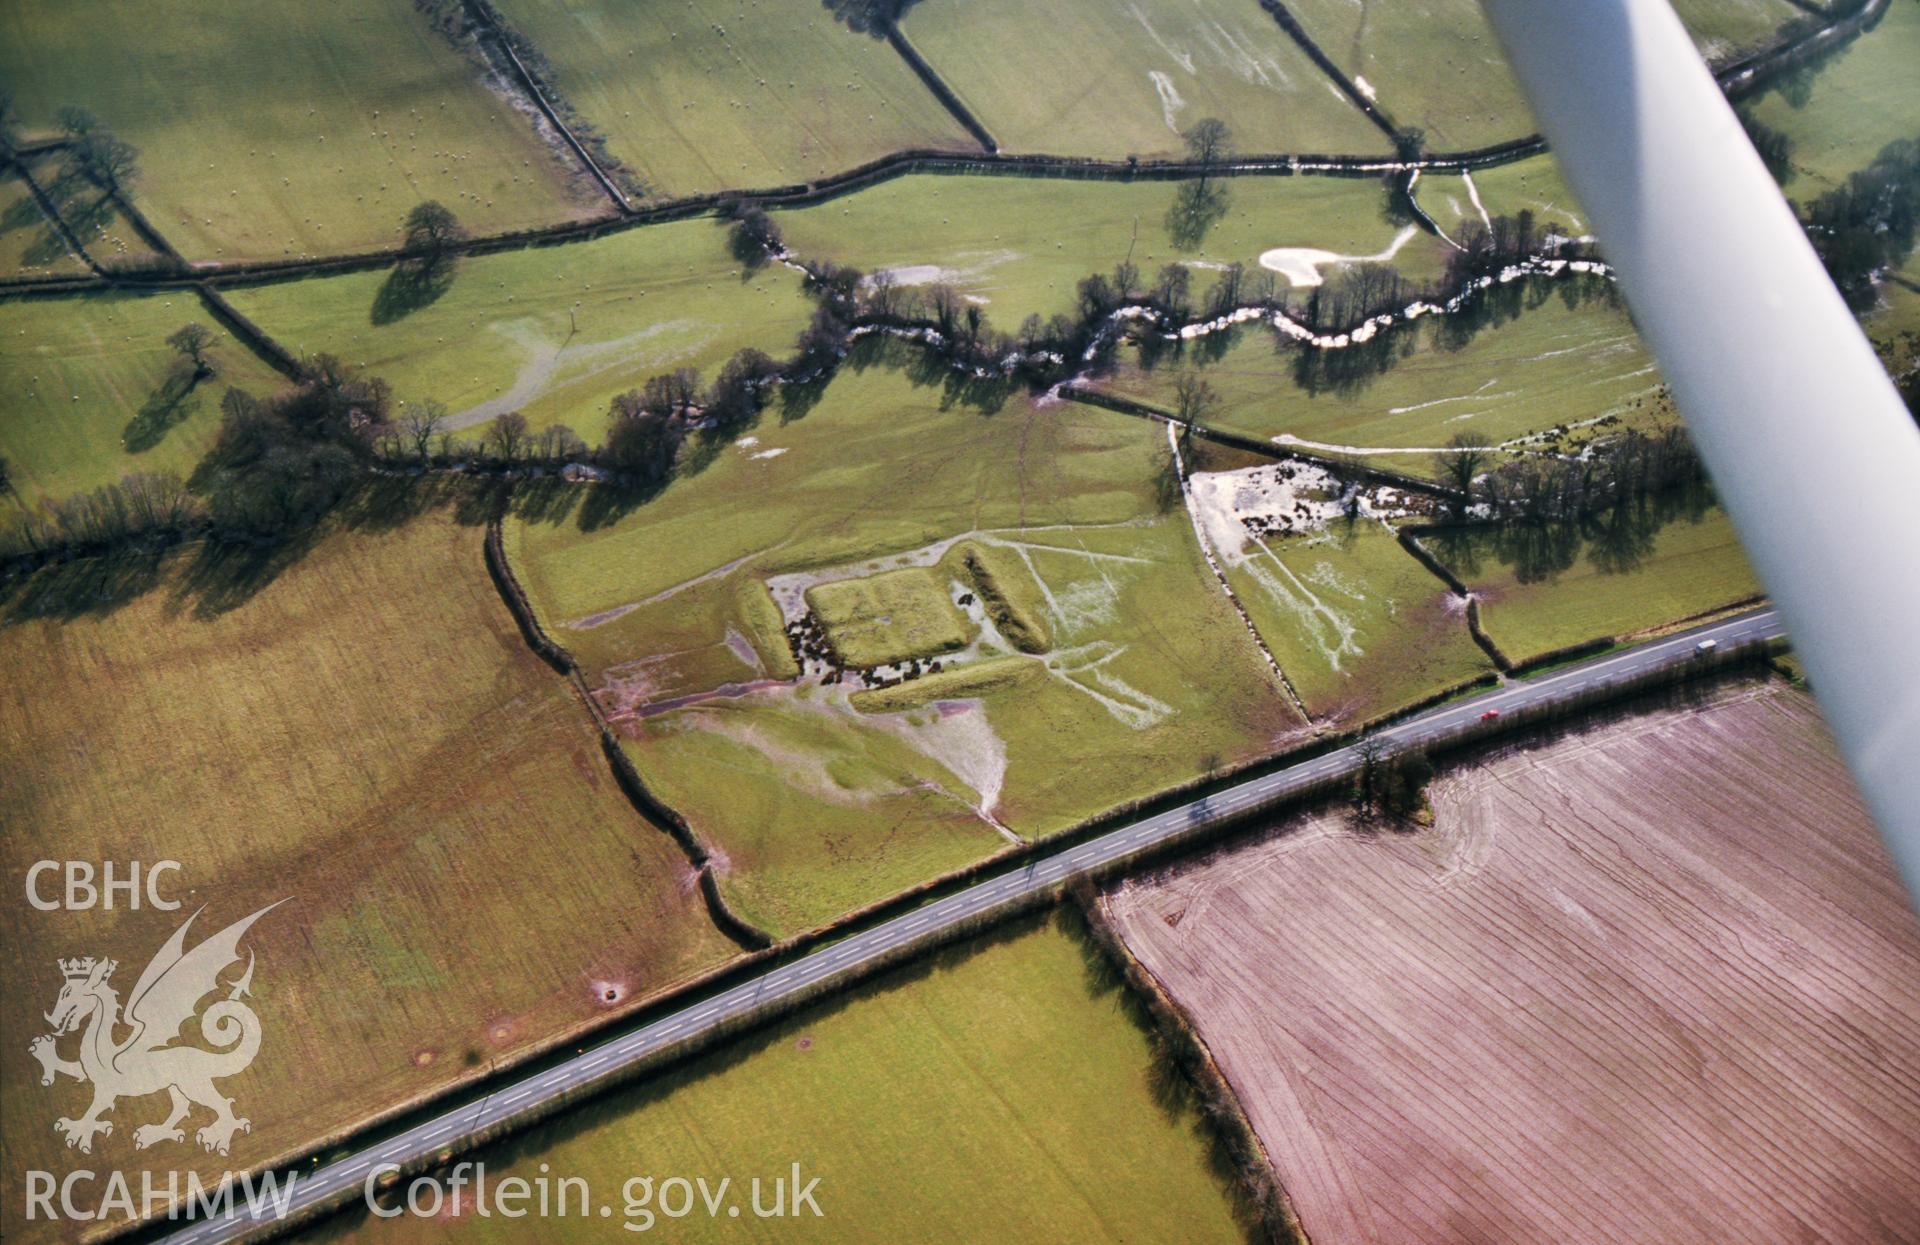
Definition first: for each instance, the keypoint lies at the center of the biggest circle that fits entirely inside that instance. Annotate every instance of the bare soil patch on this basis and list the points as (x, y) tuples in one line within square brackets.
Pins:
[(1654, 982)]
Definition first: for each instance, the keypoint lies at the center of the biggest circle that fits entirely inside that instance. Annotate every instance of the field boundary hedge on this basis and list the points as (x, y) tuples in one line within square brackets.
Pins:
[(1318, 56), (935, 938), (1738, 78), (625, 774), (1183, 1051), (490, 22), (931, 79), (802, 194), (1409, 538), (252, 335), (1253, 445)]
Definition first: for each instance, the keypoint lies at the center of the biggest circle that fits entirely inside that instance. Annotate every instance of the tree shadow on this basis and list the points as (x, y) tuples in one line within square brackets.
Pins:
[(83, 587), (174, 402), (546, 499), (214, 576), (48, 245), (1347, 373), (1616, 541), (1197, 207), (412, 285), (959, 386), (798, 398), (745, 249), (926, 368), (607, 503)]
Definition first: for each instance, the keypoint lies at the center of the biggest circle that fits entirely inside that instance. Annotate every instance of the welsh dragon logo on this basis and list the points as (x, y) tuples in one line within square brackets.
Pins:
[(147, 1059)]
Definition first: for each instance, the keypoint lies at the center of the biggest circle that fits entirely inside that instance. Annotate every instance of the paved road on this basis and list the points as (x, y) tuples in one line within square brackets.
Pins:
[(343, 1178)]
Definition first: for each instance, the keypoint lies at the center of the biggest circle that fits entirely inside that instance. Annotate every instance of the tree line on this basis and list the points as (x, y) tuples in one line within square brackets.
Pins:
[(1183, 1068), (279, 463), (1543, 488)]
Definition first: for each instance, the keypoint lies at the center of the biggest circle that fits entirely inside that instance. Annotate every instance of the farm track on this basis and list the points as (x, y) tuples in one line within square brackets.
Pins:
[(1737, 78)]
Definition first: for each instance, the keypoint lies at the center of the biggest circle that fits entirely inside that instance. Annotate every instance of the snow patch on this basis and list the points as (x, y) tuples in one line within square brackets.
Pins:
[(1170, 101), (1301, 265)]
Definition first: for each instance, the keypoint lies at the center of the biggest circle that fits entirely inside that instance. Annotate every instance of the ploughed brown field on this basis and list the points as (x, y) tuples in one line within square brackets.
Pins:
[(1655, 982)]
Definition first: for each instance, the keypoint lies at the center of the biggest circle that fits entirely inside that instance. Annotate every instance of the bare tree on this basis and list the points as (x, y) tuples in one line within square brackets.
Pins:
[(1193, 398), (558, 443), (75, 121), (507, 437), (432, 231), (190, 342), (421, 424), (1368, 779), (672, 393), (1207, 143), (1172, 292), (1461, 463)]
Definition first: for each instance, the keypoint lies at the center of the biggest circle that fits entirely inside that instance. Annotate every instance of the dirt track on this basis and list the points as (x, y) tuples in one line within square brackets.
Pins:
[(1652, 983)]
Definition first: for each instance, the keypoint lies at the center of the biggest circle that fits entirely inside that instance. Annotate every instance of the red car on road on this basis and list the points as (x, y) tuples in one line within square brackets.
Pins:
[(1489, 715)]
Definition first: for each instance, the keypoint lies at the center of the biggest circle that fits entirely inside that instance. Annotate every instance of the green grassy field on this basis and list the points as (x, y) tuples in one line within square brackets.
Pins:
[(276, 128), (95, 392), (1023, 243), (553, 332), (995, 1093), (370, 737), (1359, 627), (1544, 590), (711, 96), (818, 807), (1842, 111), (1438, 65), (1533, 184), (1078, 77), (1551, 366)]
